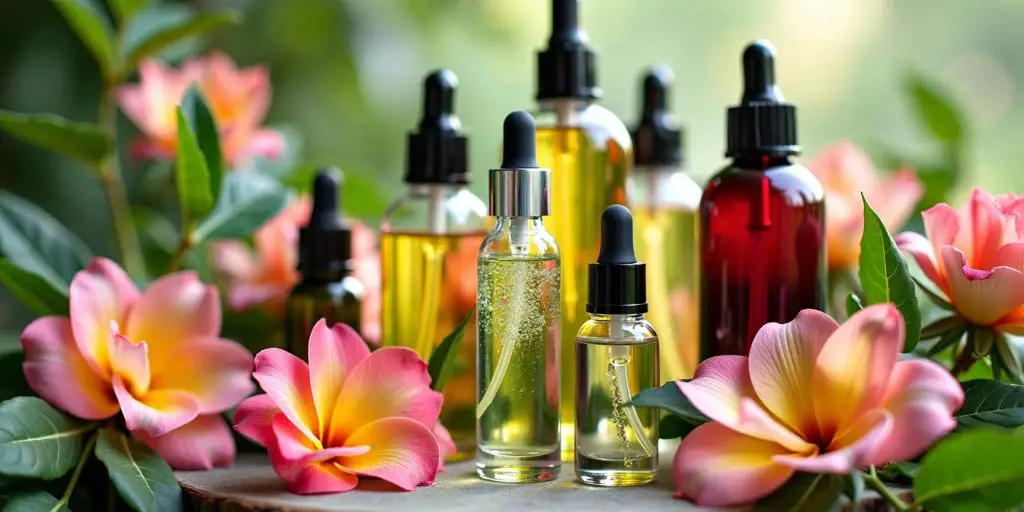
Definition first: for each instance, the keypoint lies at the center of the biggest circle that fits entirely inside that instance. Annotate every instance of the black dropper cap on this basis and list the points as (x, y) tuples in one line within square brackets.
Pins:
[(657, 140), (519, 142), (325, 243), (618, 282), (763, 124), (566, 68), (437, 150)]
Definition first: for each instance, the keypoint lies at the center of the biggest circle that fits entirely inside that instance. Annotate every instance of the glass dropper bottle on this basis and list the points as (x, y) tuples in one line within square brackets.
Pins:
[(616, 357), (518, 321)]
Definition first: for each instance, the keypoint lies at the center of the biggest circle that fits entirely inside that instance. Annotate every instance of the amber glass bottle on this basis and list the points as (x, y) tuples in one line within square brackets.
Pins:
[(763, 220), (327, 289), (589, 152), (429, 242)]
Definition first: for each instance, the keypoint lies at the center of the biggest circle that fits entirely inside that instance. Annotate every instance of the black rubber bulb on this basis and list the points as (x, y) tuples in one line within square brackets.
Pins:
[(439, 98), (657, 82), (519, 150), (616, 236), (325, 200), (759, 74), (565, 25)]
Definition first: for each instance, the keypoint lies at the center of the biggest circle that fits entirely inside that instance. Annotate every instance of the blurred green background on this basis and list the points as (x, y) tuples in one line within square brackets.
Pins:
[(347, 78)]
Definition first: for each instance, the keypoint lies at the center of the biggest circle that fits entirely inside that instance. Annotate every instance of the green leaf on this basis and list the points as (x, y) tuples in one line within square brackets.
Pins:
[(669, 398), (247, 201), (942, 326), (853, 486), (192, 176), (902, 473), (34, 501), (157, 28), (674, 427), (125, 9), (978, 470), (933, 296), (91, 25), (935, 110), (949, 339), (38, 294), (442, 361), (140, 476), (989, 403), (84, 142), (804, 492), (36, 440), (885, 277), (200, 119), (853, 304), (938, 182), (35, 241), (980, 340)]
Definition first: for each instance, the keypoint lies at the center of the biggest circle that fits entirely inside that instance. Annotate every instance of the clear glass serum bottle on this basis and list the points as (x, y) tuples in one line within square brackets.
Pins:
[(616, 357), (429, 241), (327, 288), (664, 200), (588, 149), (518, 295)]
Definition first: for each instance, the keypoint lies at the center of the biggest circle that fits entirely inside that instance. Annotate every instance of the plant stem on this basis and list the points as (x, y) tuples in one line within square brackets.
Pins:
[(179, 255), (871, 480), (963, 362), (109, 172), (86, 453)]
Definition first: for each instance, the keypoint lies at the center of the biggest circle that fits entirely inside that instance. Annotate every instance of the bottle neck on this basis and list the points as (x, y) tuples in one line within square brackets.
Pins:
[(625, 319), (762, 162)]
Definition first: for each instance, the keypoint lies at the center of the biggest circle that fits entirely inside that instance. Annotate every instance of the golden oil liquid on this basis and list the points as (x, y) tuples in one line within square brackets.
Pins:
[(587, 176), (517, 369), (428, 287), (666, 239), (608, 449)]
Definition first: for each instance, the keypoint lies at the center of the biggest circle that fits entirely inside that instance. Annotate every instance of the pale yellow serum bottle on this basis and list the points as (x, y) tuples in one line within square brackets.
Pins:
[(665, 200), (616, 357), (589, 152), (429, 240), (518, 334)]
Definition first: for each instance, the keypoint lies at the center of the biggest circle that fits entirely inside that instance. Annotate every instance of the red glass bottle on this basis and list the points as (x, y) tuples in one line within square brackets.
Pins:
[(762, 220)]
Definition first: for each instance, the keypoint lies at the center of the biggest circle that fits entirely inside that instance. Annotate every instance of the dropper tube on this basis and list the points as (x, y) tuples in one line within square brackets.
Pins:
[(618, 356)]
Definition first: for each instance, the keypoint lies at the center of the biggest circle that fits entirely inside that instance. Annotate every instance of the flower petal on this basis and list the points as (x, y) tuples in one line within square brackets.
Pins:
[(853, 449), (214, 371), (941, 228), (895, 197), (921, 249), (402, 452), (254, 417), (159, 412), (295, 459), (718, 467), (781, 364), (982, 235), (101, 297), (393, 381), (56, 370), (721, 389), (982, 297), (202, 444), (445, 444), (130, 362), (333, 353), (175, 308), (285, 378), (852, 371), (922, 397), (264, 143)]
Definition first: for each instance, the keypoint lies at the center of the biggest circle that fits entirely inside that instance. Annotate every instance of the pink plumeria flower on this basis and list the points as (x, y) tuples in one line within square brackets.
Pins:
[(264, 277), (237, 98), (845, 171), (155, 357), (813, 396), (975, 255), (348, 414)]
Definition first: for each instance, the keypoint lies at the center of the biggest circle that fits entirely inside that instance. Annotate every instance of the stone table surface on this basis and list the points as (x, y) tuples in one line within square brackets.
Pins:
[(252, 485)]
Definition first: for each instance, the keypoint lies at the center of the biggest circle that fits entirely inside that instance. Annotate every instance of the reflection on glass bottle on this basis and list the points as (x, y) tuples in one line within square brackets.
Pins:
[(429, 240), (326, 289), (762, 220), (589, 153), (616, 357), (518, 330), (664, 201)]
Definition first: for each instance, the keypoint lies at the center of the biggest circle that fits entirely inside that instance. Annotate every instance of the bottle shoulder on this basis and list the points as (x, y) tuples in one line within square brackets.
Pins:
[(663, 187), (346, 288), (796, 183), (499, 243), (420, 209), (598, 329), (598, 124)]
